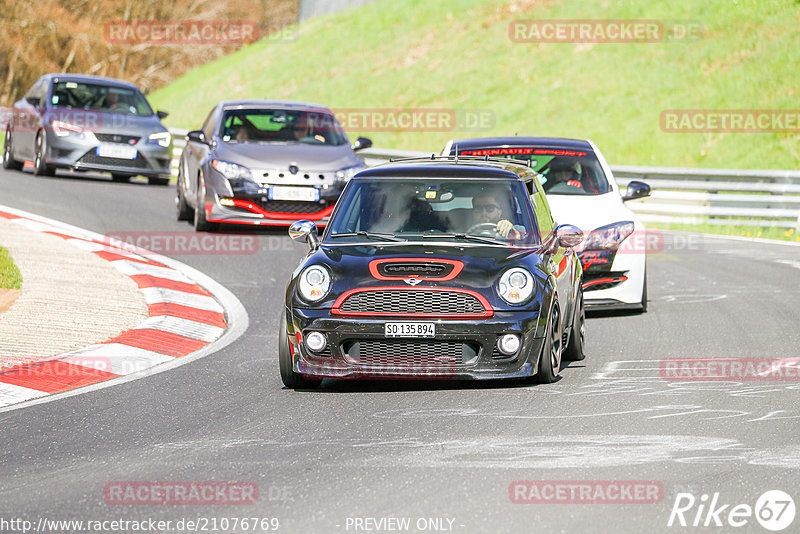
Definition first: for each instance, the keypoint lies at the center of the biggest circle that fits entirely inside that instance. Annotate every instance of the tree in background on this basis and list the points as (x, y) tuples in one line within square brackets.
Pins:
[(70, 36)]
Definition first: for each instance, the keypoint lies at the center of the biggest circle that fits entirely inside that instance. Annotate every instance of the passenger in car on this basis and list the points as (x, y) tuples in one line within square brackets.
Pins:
[(563, 176)]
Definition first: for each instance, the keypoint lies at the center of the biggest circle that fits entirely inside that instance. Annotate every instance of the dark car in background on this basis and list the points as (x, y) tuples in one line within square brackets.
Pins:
[(88, 123), (265, 162), (434, 269)]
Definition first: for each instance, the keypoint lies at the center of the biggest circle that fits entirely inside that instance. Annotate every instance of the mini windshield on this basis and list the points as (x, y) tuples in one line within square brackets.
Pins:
[(492, 211), (564, 172), (310, 127), (97, 97)]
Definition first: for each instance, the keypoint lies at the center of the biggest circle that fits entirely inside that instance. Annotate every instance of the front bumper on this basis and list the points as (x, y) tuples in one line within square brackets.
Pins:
[(347, 355), (613, 280), (79, 153), (254, 208)]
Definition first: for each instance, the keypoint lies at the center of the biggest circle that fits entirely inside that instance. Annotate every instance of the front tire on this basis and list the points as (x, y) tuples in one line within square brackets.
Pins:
[(183, 211), (40, 166), (644, 293), (550, 359), (289, 377), (574, 351), (9, 163), (201, 224)]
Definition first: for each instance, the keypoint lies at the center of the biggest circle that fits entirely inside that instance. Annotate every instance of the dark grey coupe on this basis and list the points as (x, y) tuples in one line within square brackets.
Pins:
[(262, 162)]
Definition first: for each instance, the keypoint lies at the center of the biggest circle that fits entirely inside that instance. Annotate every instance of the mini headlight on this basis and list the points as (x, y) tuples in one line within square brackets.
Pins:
[(516, 285), (162, 138), (314, 283), (231, 171)]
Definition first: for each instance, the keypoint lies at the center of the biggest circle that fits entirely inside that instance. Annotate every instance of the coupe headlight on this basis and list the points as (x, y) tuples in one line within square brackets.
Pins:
[(345, 174), (231, 171), (516, 285), (610, 236), (162, 138), (314, 283)]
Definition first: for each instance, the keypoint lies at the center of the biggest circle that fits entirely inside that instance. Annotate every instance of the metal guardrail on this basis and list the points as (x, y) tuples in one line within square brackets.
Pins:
[(680, 195)]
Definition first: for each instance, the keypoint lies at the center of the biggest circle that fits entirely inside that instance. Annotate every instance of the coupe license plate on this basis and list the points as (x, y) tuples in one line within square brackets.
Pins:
[(279, 192), (111, 150), (410, 329)]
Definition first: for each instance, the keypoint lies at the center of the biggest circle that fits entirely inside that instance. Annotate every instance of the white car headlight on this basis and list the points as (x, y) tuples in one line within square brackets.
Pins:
[(609, 236), (162, 138), (345, 174), (63, 129), (314, 283), (516, 285), (231, 171)]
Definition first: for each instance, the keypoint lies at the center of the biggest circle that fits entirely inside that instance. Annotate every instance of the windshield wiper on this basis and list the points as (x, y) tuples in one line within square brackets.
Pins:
[(371, 235), (468, 237)]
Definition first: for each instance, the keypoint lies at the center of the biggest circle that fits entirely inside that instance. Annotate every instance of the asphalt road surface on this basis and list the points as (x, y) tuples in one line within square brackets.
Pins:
[(348, 456)]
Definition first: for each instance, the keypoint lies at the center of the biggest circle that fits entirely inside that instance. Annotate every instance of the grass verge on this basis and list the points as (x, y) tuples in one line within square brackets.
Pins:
[(782, 234), (10, 277), (457, 55)]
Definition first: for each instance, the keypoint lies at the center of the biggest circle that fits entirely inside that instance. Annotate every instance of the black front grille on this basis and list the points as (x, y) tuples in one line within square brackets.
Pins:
[(91, 158), (420, 269), (117, 138), (429, 354), (291, 206), (411, 302)]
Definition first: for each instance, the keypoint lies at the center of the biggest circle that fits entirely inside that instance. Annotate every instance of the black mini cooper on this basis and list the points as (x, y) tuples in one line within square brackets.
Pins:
[(440, 268)]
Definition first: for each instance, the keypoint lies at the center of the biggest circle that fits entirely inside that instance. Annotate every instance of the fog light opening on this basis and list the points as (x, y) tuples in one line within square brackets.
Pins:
[(315, 341), (508, 344)]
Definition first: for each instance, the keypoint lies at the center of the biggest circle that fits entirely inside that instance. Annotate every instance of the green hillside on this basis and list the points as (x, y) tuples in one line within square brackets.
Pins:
[(458, 55)]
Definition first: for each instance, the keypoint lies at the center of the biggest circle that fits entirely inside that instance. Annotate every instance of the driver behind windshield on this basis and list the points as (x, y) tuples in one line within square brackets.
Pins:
[(487, 210)]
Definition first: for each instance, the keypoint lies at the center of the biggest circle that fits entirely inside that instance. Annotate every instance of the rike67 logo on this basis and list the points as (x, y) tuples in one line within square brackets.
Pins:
[(774, 510)]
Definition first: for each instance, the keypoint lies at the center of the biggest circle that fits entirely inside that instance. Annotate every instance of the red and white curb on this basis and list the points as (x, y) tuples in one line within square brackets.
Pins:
[(190, 316)]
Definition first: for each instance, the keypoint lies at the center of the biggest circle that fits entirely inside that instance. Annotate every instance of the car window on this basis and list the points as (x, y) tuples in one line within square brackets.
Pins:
[(416, 208), (99, 97), (211, 123), (564, 172), (261, 125)]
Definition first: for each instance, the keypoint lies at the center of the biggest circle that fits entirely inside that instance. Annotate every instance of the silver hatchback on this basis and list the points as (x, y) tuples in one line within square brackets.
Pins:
[(88, 123)]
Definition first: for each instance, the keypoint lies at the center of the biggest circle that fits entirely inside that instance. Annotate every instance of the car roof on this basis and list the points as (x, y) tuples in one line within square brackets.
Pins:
[(90, 78), (280, 104), (448, 168), (554, 142)]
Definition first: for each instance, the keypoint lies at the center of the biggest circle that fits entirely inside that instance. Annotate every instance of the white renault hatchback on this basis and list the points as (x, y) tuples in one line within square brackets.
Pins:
[(581, 189)]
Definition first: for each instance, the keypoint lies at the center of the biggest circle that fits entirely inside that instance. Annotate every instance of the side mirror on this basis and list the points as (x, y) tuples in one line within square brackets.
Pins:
[(305, 230), (636, 190), (33, 101), (362, 143), (568, 236), (197, 136), (162, 114)]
